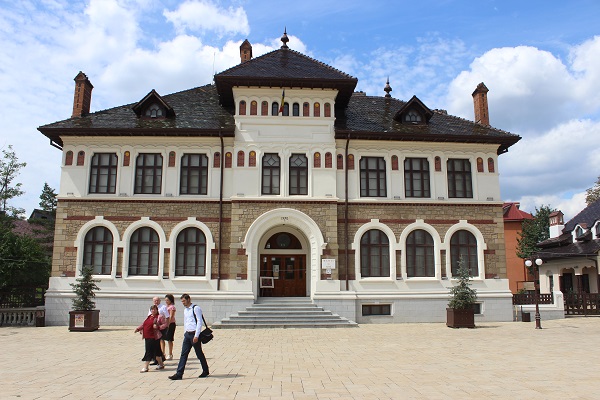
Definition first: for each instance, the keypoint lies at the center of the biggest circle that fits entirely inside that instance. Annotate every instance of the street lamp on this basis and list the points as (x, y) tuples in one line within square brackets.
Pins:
[(529, 263)]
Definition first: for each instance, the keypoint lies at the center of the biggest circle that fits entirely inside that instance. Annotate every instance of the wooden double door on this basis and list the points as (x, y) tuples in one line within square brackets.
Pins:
[(288, 273)]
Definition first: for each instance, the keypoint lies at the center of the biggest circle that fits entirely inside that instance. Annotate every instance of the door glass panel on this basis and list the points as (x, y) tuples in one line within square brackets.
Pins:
[(289, 268), (275, 265)]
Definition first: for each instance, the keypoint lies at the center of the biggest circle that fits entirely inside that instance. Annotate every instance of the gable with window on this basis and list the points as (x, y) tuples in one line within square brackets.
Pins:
[(372, 177), (103, 173)]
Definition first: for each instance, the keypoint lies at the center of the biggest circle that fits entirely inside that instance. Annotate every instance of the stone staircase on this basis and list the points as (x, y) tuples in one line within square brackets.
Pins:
[(284, 312)]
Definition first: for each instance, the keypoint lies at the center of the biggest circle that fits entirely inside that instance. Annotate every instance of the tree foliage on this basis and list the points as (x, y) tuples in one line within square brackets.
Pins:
[(23, 260), (534, 231), (84, 291), (463, 295), (593, 193), (48, 200), (9, 170)]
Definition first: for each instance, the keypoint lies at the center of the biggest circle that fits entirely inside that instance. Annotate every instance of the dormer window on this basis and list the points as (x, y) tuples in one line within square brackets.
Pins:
[(578, 232), (155, 111), (412, 116), (598, 230)]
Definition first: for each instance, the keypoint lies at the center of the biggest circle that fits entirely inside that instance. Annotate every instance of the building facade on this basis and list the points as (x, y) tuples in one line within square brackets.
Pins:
[(279, 180)]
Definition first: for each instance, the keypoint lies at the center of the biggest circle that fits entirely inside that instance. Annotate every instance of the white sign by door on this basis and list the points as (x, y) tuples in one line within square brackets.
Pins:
[(328, 263)]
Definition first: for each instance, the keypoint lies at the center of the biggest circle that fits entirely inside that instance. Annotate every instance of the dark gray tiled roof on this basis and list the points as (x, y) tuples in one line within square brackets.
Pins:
[(578, 249), (373, 117), (588, 215), (196, 111)]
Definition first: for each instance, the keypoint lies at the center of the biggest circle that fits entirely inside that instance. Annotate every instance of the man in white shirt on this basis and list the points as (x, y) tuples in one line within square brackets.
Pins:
[(192, 325)]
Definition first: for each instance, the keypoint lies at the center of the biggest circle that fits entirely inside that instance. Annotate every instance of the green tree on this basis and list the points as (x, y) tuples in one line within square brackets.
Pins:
[(48, 200), (84, 291), (593, 193), (9, 170), (463, 295), (23, 260), (534, 231)]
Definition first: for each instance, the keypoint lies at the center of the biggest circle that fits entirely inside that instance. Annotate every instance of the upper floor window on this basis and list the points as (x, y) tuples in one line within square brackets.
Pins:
[(190, 259), (327, 108), (412, 116), (286, 109), (97, 250), (296, 110), (374, 254), (316, 110), (598, 230), (419, 254), (298, 174), (242, 107), (148, 173), (416, 177), (154, 111), (270, 173), (194, 174), (103, 173), (305, 109), (275, 108), (264, 108), (459, 178), (372, 177), (143, 252), (253, 107), (463, 245)]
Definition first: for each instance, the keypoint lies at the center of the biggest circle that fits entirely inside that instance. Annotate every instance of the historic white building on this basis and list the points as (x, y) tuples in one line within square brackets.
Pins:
[(279, 180)]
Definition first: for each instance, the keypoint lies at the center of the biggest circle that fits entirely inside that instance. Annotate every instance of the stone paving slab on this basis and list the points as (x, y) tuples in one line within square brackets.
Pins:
[(509, 360)]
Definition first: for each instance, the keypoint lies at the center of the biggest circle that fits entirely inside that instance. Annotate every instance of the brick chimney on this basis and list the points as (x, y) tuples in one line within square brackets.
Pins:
[(557, 224), (245, 51), (83, 95), (481, 104)]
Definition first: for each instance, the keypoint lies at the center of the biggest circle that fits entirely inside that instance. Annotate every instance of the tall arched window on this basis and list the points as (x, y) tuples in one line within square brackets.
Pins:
[(253, 107), (305, 109), (374, 254), (264, 108), (464, 244), (327, 110), (491, 167), (97, 250), (296, 110), (286, 109), (242, 107), (143, 252), (316, 110), (190, 259), (419, 254), (275, 108)]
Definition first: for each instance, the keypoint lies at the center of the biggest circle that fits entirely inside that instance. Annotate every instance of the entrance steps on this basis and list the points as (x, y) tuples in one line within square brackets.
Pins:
[(284, 312)]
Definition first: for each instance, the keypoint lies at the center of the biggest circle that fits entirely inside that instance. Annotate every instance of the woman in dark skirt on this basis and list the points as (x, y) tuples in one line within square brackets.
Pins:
[(170, 301), (150, 330)]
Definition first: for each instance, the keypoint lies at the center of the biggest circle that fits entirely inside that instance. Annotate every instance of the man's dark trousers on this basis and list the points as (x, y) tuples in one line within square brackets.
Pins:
[(186, 347)]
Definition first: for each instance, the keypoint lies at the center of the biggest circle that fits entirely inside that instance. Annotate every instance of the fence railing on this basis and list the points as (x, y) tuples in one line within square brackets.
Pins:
[(529, 298), (22, 296), (582, 303)]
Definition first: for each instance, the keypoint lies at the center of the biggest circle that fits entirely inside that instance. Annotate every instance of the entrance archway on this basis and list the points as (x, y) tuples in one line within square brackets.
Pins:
[(283, 267), (290, 221)]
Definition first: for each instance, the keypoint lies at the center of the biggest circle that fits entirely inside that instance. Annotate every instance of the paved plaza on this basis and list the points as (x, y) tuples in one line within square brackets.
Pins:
[(509, 360)]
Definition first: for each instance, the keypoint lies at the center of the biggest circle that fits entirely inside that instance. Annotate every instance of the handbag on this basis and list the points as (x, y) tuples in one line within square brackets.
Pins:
[(207, 334)]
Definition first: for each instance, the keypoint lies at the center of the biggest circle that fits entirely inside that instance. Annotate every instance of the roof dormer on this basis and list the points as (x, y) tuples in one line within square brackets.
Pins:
[(413, 112), (152, 106)]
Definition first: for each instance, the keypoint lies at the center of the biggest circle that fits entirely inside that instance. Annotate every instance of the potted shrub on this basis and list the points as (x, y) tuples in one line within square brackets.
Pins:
[(84, 317), (460, 312)]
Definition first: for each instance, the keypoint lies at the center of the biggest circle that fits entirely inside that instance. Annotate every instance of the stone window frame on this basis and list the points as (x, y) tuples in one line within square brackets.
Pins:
[(393, 247), (210, 245), (98, 221)]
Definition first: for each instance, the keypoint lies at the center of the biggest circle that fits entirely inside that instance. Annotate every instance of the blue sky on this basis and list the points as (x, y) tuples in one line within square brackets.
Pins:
[(540, 60)]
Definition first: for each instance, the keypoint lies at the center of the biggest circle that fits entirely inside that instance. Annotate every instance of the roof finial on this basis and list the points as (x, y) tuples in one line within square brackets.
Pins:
[(284, 39), (387, 89)]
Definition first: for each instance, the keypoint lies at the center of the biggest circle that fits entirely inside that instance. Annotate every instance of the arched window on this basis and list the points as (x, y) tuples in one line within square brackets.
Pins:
[(464, 245), (143, 252), (190, 259), (80, 158), (298, 174), (374, 254), (350, 162), (329, 160), (69, 158), (286, 109), (412, 116), (394, 163), (253, 107), (479, 164), (97, 250), (491, 167), (327, 110), (217, 160), (252, 159), (305, 109), (228, 160), (264, 108), (419, 254), (317, 160), (154, 111), (275, 108), (317, 110), (340, 161), (296, 110), (242, 108), (240, 158), (438, 164)]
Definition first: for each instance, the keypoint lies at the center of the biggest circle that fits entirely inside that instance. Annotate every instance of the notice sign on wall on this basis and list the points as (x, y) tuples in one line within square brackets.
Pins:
[(328, 263)]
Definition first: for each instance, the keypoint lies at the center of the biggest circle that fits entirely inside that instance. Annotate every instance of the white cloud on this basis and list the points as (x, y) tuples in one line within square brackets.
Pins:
[(203, 16)]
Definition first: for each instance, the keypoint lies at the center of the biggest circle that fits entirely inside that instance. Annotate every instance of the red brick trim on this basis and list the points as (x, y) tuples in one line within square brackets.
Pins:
[(70, 249), (481, 221), (489, 252), (241, 252), (441, 221), (79, 218)]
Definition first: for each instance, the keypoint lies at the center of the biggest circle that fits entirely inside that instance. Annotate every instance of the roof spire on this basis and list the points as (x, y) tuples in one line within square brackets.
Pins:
[(284, 39), (387, 89)]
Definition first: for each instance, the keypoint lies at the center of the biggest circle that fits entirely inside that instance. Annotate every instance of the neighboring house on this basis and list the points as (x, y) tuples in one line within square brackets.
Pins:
[(279, 180), (513, 226), (572, 252)]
